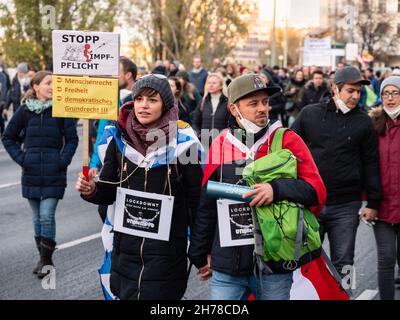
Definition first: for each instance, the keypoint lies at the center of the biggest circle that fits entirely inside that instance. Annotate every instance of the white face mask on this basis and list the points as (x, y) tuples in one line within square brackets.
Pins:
[(393, 113), (248, 125), (340, 103)]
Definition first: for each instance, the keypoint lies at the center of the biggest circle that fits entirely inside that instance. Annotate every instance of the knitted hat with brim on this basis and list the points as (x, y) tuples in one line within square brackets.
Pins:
[(158, 83)]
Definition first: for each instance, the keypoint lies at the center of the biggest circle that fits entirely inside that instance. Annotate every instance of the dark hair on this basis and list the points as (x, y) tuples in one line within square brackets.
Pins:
[(318, 72), (129, 66), (178, 86), (36, 80), (147, 92)]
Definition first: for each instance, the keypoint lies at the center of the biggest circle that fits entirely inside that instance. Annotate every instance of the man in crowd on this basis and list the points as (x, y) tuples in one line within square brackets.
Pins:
[(232, 268), (198, 75), (314, 90), (19, 82), (343, 143)]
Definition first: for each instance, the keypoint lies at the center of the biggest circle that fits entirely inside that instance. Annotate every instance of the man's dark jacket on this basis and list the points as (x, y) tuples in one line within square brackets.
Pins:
[(344, 147)]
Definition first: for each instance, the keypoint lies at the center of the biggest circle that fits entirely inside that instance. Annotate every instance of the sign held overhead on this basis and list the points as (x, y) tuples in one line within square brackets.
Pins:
[(86, 53)]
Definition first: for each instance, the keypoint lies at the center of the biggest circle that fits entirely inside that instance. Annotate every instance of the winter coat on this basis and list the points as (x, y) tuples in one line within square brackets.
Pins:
[(14, 94), (389, 158), (191, 103), (344, 147), (295, 97), (143, 268), (204, 118), (308, 189), (312, 94), (49, 145)]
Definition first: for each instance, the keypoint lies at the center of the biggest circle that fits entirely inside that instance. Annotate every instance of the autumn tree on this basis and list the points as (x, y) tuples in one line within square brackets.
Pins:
[(180, 29), (28, 25), (376, 30)]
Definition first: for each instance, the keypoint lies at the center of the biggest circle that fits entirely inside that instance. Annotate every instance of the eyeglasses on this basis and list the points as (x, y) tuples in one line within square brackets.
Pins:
[(393, 94)]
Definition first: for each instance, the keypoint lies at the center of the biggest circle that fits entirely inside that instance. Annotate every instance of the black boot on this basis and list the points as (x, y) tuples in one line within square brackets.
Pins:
[(37, 240), (47, 248)]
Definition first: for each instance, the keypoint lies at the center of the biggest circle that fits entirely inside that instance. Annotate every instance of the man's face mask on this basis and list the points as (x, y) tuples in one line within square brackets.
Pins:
[(340, 103), (248, 125)]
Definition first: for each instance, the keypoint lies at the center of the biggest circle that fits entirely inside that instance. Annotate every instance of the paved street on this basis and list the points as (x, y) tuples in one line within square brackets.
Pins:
[(77, 261)]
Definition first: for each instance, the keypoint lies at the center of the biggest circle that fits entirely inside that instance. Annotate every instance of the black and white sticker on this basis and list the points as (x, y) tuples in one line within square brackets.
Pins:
[(143, 214), (235, 223)]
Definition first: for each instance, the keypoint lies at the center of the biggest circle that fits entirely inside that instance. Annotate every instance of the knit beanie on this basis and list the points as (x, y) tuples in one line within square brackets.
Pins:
[(158, 83), (391, 81)]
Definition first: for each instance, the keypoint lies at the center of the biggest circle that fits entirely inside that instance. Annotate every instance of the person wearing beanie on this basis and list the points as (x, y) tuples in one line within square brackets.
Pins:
[(190, 95), (147, 151), (16, 92), (386, 120), (343, 142)]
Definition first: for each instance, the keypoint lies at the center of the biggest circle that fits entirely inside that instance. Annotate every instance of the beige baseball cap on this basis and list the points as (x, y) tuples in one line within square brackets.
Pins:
[(247, 84)]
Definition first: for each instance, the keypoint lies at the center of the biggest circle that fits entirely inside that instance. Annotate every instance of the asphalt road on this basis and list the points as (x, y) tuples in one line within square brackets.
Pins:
[(79, 257)]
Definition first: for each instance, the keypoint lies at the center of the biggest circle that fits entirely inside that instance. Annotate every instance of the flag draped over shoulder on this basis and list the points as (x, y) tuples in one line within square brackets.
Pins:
[(185, 139), (314, 281)]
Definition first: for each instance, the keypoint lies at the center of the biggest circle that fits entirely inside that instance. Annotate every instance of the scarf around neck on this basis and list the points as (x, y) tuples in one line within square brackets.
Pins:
[(146, 140), (37, 106)]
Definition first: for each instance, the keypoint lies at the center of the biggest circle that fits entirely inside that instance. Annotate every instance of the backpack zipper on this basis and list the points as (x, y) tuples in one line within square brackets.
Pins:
[(280, 164)]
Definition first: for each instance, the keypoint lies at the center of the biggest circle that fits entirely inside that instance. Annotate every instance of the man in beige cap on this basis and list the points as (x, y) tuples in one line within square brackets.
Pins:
[(232, 267)]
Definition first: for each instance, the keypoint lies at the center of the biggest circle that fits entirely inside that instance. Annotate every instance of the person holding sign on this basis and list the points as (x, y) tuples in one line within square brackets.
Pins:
[(248, 138), (49, 145), (155, 190)]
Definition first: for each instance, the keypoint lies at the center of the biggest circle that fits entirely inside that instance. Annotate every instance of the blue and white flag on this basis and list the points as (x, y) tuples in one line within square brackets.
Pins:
[(185, 139)]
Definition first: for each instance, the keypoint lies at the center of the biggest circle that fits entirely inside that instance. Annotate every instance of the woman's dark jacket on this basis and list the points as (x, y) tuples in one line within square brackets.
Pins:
[(146, 268), (49, 145)]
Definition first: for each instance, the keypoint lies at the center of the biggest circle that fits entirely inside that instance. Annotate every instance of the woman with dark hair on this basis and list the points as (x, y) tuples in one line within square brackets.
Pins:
[(387, 227), (190, 96), (48, 147), (146, 152), (176, 88)]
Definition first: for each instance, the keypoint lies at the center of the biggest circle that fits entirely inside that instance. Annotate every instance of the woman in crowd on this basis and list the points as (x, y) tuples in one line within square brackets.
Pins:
[(387, 228), (212, 113), (190, 96), (48, 147), (145, 154), (176, 88)]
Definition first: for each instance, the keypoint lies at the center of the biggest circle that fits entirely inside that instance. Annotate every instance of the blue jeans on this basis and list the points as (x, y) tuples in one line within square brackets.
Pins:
[(44, 221), (227, 287), (340, 222)]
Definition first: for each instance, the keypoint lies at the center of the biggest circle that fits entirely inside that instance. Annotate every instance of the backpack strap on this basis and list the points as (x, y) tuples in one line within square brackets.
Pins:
[(277, 141)]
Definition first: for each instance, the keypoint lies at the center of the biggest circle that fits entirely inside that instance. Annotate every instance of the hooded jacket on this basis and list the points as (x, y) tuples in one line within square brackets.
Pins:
[(308, 189), (389, 157)]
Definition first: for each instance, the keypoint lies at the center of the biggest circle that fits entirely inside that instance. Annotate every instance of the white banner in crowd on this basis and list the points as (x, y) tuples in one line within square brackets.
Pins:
[(317, 52), (86, 53)]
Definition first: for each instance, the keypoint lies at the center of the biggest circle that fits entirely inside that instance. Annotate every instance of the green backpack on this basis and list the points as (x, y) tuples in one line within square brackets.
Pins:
[(286, 234)]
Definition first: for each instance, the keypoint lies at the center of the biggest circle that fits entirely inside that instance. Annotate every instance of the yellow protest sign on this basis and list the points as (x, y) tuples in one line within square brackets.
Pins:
[(85, 98)]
